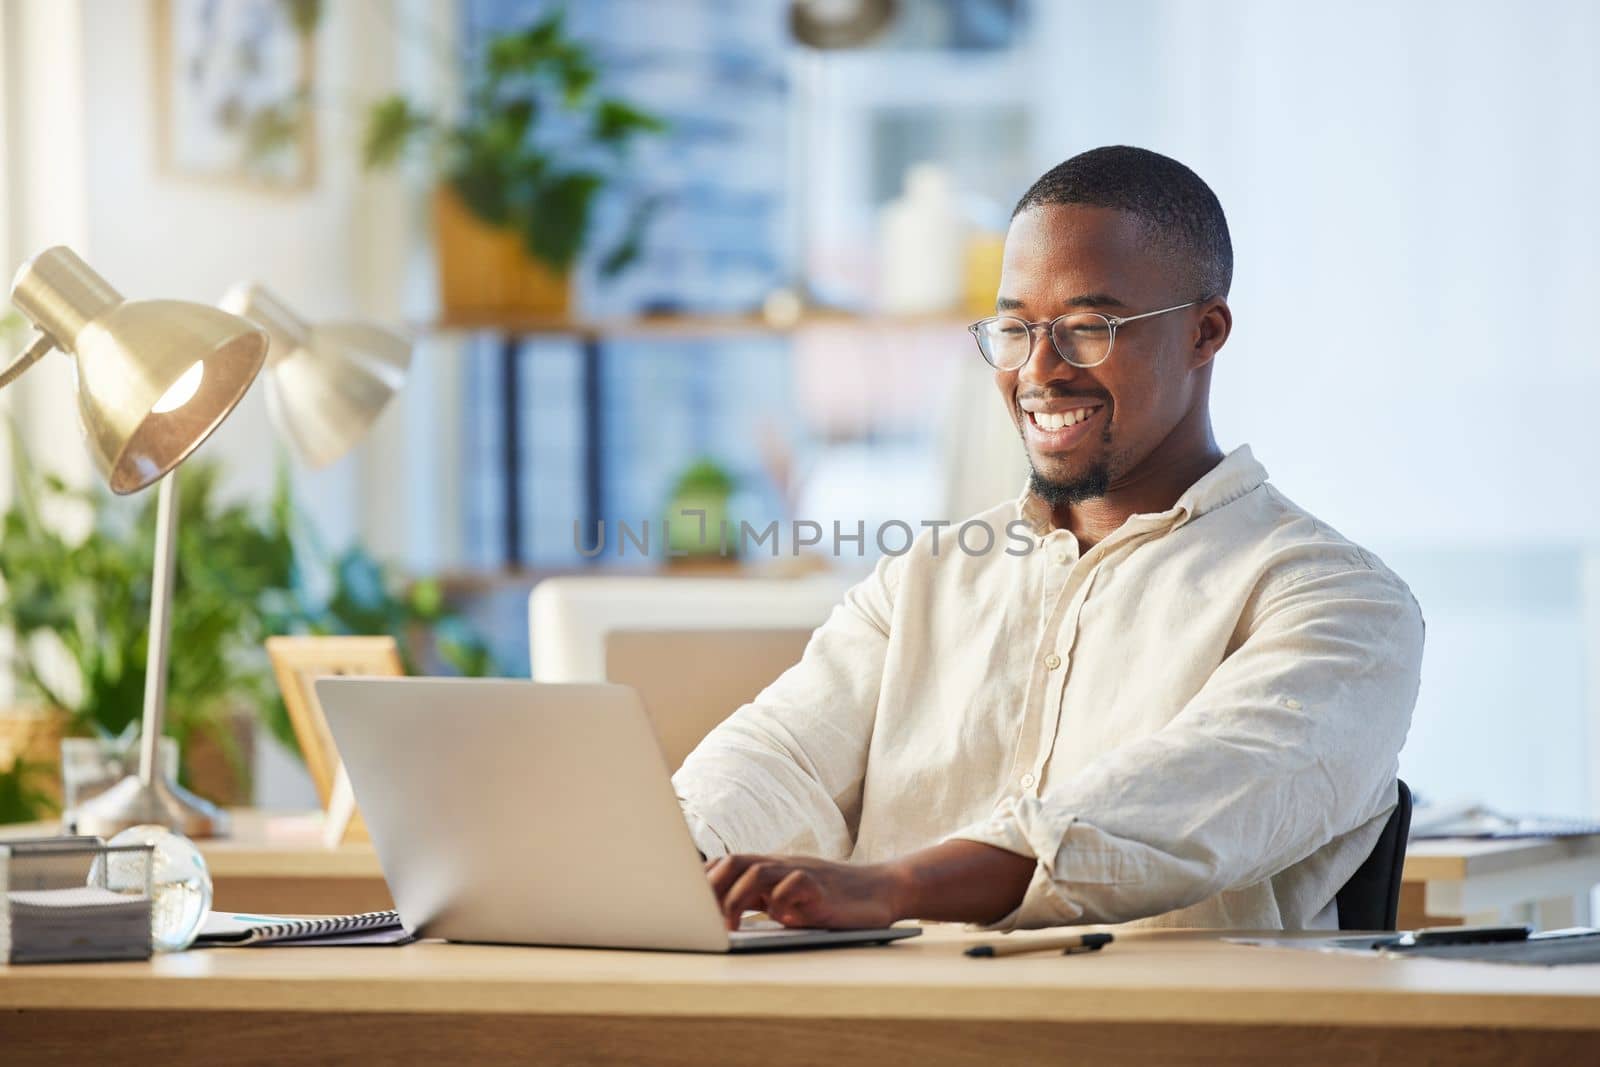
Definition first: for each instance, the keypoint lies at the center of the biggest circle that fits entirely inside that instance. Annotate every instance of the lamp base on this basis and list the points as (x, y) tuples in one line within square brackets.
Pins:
[(132, 803)]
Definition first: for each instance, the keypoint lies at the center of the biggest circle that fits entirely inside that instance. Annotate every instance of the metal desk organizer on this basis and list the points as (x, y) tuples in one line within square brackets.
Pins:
[(71, 899)]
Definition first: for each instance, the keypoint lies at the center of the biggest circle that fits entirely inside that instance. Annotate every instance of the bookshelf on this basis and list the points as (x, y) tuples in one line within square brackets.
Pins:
[(592, 336)]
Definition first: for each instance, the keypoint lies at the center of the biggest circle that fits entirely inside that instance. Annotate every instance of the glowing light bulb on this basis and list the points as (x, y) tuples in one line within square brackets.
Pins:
[(182, 390)]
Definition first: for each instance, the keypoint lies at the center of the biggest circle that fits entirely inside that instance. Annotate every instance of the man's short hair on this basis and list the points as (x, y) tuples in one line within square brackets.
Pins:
[(1180, 211)]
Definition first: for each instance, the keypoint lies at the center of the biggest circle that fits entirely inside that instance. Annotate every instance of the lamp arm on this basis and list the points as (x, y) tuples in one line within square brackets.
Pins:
[(155, 671), (34, 354)]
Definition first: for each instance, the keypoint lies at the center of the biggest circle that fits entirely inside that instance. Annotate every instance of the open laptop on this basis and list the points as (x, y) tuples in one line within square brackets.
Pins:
[(533, 814)]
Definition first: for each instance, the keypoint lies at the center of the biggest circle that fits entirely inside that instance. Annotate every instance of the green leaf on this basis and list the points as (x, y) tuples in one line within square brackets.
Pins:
[(631, 244), (243, 573), (11, 323), (22, 795), (392, 126), (615, 122), (304, 15), (556, 218), (525, 51), (576, 73), (427, 598), (706, 476)]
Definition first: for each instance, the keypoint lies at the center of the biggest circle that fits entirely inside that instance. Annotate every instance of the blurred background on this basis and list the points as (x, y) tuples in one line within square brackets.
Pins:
[(774, 222)]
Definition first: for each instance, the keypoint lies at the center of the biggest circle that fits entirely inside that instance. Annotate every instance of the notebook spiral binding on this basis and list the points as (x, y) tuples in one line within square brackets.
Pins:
[(339, 924)]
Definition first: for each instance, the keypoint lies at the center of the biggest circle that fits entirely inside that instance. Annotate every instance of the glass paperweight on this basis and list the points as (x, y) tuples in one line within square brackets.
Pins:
[(180, 885)]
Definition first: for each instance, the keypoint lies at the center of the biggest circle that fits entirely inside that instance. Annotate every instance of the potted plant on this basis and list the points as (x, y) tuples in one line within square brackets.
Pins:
[(25, 794), (519, 171), (78, 610), (703, 487)]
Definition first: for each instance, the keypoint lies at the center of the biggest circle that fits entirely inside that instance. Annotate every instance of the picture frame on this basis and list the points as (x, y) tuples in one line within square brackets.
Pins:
[(297, 662), (235, 92)]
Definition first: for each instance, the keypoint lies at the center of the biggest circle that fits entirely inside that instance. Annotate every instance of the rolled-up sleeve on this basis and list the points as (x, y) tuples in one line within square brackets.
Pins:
[(784, 773), (1291, 742)]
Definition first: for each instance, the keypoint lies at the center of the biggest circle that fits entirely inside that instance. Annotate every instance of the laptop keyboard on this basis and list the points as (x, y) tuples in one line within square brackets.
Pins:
[(763, 927)]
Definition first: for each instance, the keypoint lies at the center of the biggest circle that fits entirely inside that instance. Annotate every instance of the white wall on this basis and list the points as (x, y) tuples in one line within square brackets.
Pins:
[(1428, 167), (1411, 191)]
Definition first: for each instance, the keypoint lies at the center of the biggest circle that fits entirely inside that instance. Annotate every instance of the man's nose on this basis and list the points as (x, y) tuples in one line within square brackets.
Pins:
[(1044, 363)]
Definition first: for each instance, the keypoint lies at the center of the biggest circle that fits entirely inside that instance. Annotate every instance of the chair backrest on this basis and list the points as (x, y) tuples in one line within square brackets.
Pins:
[(690, 680), (570, 616), (1370, 900)]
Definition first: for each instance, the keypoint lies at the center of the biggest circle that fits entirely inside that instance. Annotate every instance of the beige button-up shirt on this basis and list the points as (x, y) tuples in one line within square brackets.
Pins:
[(1195, 723)]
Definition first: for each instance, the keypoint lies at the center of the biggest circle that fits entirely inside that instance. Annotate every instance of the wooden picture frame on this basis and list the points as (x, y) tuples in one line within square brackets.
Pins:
[(235, 93), (297, 662)]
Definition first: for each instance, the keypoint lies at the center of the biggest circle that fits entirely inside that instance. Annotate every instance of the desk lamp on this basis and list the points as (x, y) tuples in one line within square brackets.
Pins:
[(154, 378), (326, 385)]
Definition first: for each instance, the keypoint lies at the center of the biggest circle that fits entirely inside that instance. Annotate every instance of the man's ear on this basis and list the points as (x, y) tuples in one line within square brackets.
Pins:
[(1211, 332)]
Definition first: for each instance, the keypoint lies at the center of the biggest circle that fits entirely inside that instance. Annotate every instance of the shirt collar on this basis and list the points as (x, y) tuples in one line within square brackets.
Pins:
[(1236, 475)]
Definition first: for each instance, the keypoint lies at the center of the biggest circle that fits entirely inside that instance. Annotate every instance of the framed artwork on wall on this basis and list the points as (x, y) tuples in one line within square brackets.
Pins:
[(297, 662), (233, 83)]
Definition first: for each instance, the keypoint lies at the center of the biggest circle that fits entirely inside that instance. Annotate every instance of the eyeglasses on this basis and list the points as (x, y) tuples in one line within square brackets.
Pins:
[(1082, 338)]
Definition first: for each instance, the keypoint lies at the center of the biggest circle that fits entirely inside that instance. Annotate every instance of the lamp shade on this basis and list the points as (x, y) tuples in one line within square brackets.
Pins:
[(326, 384), (154, 377)]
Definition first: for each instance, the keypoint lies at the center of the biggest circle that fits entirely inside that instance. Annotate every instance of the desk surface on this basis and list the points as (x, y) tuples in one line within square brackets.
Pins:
[(1169, 998), (1150, 976), (1462, 858), (274, 862)]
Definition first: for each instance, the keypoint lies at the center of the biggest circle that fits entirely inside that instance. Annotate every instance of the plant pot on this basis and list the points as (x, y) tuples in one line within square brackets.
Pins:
[(34, 733), (218, 774), (486, 273), (685, 537)]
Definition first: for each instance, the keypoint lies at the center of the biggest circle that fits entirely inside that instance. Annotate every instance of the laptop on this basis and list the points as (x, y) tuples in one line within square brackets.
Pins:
[(524, 813)]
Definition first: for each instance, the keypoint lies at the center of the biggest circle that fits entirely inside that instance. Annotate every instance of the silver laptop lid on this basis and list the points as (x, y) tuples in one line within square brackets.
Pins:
[(484, 797)]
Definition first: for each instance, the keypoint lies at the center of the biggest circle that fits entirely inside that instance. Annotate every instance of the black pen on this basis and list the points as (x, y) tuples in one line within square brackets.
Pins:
[(1069, 946)]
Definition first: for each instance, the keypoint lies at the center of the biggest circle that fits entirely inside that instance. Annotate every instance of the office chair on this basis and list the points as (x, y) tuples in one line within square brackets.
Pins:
[(1370, 900)]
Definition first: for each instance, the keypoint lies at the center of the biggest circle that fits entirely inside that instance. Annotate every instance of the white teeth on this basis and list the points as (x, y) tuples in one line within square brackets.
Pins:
[(1051, 420)]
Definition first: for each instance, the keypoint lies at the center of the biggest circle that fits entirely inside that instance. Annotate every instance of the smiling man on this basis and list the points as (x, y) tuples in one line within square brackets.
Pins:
[(1169, 695)]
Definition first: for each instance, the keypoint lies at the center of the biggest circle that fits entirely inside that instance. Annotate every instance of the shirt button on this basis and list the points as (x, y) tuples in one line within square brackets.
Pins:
[(1292, 704), (1052, 661), (1061, 557), (1027, 781)]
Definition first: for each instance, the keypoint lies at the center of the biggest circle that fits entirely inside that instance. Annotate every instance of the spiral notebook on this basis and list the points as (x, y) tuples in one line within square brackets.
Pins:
[(369, 928)]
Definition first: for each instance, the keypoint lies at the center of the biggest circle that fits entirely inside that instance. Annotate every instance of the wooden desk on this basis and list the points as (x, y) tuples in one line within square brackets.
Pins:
[(1170, 998), (1543, 881), (275, 863)]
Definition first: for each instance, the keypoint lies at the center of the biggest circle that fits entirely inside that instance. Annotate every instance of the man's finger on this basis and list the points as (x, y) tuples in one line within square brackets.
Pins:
[(726, 870), (793, 899), (750, 891)]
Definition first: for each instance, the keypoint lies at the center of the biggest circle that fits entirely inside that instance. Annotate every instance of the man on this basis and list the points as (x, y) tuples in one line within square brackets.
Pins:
[(1181, 705)]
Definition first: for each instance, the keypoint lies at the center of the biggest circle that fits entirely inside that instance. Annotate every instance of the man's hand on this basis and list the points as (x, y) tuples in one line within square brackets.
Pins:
[(798, 891), (956, 881)]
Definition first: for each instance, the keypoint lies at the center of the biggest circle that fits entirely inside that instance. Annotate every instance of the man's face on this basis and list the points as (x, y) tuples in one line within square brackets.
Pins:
[(1061, 258)]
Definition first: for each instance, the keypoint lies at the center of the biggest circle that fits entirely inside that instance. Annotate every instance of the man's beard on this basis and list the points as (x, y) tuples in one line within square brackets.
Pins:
[(1090, 484)]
